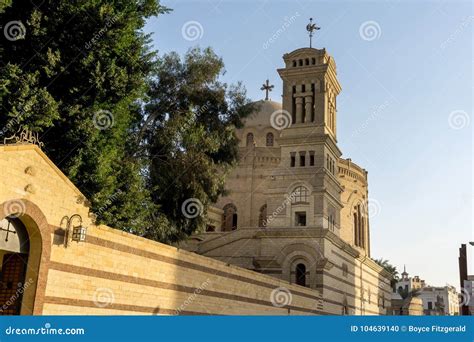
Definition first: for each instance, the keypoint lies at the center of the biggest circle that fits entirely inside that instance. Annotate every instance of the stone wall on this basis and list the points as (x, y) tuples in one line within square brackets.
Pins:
[(116, 273)]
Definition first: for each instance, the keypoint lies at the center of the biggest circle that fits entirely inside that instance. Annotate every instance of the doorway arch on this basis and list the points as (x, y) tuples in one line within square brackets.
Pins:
[(26, 217)]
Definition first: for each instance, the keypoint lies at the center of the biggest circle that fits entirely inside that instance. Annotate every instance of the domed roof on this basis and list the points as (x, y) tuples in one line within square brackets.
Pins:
[(261, 117)]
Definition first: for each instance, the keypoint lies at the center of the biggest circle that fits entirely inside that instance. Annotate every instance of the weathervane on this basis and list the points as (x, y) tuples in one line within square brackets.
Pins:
[(267, 87), (310, 28), (24, 136)]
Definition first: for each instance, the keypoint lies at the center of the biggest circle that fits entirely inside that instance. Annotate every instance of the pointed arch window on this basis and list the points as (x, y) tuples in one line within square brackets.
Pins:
[(269, 141)]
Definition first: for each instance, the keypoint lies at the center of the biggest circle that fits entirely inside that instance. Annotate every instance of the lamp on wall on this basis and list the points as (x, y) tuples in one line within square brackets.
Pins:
[(78, 231)]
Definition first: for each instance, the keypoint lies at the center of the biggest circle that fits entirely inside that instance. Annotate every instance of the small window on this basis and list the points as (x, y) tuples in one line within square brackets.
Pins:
[(262, 218), (234, 221), (300, 218), (210, 228), (430, 306), (302, 160), (269, 139), (306, 61), (294, 63), (229, 220), (301, 274), (344, 270), (300, 62), (293, 160), (250, 139), (313, 61)]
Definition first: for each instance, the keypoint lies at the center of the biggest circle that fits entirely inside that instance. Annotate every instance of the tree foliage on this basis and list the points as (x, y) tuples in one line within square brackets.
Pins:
[(137, 133), (190, 140), (75, 71)]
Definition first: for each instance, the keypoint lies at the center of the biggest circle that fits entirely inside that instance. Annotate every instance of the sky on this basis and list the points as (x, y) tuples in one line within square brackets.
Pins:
[(404, 113)]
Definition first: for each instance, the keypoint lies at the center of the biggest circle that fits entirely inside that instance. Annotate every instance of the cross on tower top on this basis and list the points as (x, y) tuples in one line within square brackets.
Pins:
[(310, 28), (267, 87)]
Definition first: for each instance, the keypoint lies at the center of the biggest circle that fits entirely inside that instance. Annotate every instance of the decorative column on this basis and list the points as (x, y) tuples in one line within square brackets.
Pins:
[(299, 109), (308, 106)]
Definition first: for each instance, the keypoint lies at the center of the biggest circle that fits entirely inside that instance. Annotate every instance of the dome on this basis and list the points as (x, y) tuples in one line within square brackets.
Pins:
[(261, 117)]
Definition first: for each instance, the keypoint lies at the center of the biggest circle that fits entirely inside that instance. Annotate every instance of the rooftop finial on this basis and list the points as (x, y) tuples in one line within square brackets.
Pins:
[(310, 28)]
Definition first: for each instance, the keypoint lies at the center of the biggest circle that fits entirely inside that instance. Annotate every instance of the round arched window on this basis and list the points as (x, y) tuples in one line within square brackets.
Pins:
[(269, 139), (250, 139)]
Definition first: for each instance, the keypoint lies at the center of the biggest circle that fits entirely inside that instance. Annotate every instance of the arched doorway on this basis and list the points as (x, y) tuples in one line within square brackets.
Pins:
[(14, 253), (34, 237)]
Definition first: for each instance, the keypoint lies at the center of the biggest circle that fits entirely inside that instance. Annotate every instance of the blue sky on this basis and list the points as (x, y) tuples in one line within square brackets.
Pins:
[(404, 113)]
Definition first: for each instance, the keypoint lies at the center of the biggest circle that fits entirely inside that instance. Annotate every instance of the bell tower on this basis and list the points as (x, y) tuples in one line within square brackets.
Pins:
[(308, 169), (310, 88)]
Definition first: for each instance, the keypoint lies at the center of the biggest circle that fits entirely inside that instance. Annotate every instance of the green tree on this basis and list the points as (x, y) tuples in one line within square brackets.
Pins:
[(75, 71), (189, 139), (390, 269)]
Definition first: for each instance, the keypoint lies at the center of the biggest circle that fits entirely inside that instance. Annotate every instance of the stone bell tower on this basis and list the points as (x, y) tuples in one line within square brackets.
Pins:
[(310, 88), (309, 151)]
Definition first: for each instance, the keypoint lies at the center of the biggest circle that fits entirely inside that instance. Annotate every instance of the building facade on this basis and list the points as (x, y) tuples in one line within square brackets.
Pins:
[(297, 210)]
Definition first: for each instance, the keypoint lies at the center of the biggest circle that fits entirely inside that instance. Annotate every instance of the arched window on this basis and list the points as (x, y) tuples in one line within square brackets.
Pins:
[(262, 218), (269, 139), (250, 139), (300, 273), (300, 195), (229, 220)]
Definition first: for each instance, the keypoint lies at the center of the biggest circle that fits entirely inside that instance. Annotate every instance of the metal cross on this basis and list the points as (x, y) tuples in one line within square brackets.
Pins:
[(267, 87), (8, 230), (310, 28)]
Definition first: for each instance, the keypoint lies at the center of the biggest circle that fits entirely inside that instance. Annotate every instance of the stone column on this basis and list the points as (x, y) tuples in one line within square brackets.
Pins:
[(308, 106), (299, 109)]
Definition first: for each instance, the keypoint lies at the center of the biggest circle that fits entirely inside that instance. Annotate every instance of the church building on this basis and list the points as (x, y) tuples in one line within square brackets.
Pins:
[(296, 210)]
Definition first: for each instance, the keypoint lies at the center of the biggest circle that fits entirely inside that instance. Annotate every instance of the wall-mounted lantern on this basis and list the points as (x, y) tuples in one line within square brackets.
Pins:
[(77, 232)]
